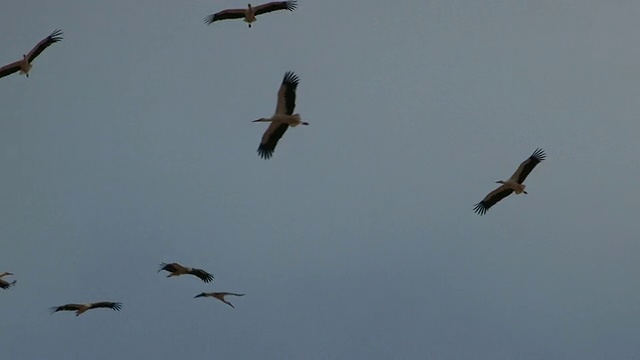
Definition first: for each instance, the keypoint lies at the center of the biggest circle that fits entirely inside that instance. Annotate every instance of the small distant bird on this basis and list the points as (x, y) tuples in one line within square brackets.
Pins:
[(24, 65), (176, 270), (81, 308), (514, 184), (283, 117), (249, 14), (218, 295), (6, 284)]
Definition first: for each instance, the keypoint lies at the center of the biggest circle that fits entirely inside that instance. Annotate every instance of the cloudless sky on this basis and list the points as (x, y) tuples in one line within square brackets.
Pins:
[(132, 144)]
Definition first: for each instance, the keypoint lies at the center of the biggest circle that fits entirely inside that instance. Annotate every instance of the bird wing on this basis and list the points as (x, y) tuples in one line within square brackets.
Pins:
[(172, 267), (205, 276), (525, 168), (287, 94), (55, 36), (116, 306), (67, 307), (6, 284), (491, 199), (274, 6), (270, 139), (9, 69), (234, 294), (224, 15)]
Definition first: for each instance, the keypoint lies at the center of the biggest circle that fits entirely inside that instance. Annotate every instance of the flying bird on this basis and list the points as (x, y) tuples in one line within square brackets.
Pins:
[(219, 295), (81, 308), (176, 270), (24, 65), (6, 284), (283, 117), (514, 184), (249, 14)]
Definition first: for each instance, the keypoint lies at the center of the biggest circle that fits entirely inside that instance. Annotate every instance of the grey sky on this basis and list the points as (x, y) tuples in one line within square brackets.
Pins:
[(131, 144)]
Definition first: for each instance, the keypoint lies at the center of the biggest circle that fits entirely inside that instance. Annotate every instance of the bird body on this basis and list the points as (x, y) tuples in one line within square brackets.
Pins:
[(6, 284), (513, 185), (249, 14), (24, 66), (219, 295), (283, 116), (82, 308), (176, 269)]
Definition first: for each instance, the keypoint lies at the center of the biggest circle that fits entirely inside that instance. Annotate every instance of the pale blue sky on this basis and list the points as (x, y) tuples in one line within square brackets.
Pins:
[(132, 144)]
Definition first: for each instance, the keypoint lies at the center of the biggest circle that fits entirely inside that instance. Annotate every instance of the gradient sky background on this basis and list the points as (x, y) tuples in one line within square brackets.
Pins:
[(131, 144)]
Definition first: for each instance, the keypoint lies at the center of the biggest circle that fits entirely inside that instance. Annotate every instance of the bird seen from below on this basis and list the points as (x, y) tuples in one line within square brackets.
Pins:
[(176, 269), (6, 284), (514, 184), (81, 308), (282, 118), (249, 14), (219, 295), (24, 65)]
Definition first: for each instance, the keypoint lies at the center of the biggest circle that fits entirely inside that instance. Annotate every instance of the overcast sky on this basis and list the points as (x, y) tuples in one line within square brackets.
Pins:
[(131, 144)]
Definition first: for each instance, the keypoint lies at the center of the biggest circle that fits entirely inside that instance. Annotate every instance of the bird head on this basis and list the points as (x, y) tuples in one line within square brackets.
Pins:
[(304, 123), (500, 182)]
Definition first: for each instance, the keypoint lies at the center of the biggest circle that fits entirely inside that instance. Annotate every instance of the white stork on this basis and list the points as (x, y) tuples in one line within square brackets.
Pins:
[(514, 184), (176, 269), (249, 14), (6, 284), (81, 308), (283, 117), (219, 295), (24, 65)]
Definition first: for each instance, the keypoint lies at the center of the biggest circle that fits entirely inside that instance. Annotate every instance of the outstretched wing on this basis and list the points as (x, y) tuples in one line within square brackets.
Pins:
[(270, 139), (287, 93), (491, 199), (67, 307), (224, 15), (228, 293), (55, 36), (6, 284), (9, 69), (116, 306), (172, 267), (203, 275), (525, 168), (274, 6)]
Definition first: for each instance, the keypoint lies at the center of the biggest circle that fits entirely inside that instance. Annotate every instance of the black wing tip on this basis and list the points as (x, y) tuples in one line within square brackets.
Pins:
[(480, 209), (116, 306), (291, 5), (209, 19), (56, 35), (264, 153), (539, 155), (290, 79), (54, 309)]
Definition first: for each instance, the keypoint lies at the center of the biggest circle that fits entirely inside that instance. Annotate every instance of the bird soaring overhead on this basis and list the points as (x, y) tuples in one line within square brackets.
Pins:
[(24, 65), (81, 308), (176, 269), (283, 117), (249, 14), (514, 184), (219, 295)]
